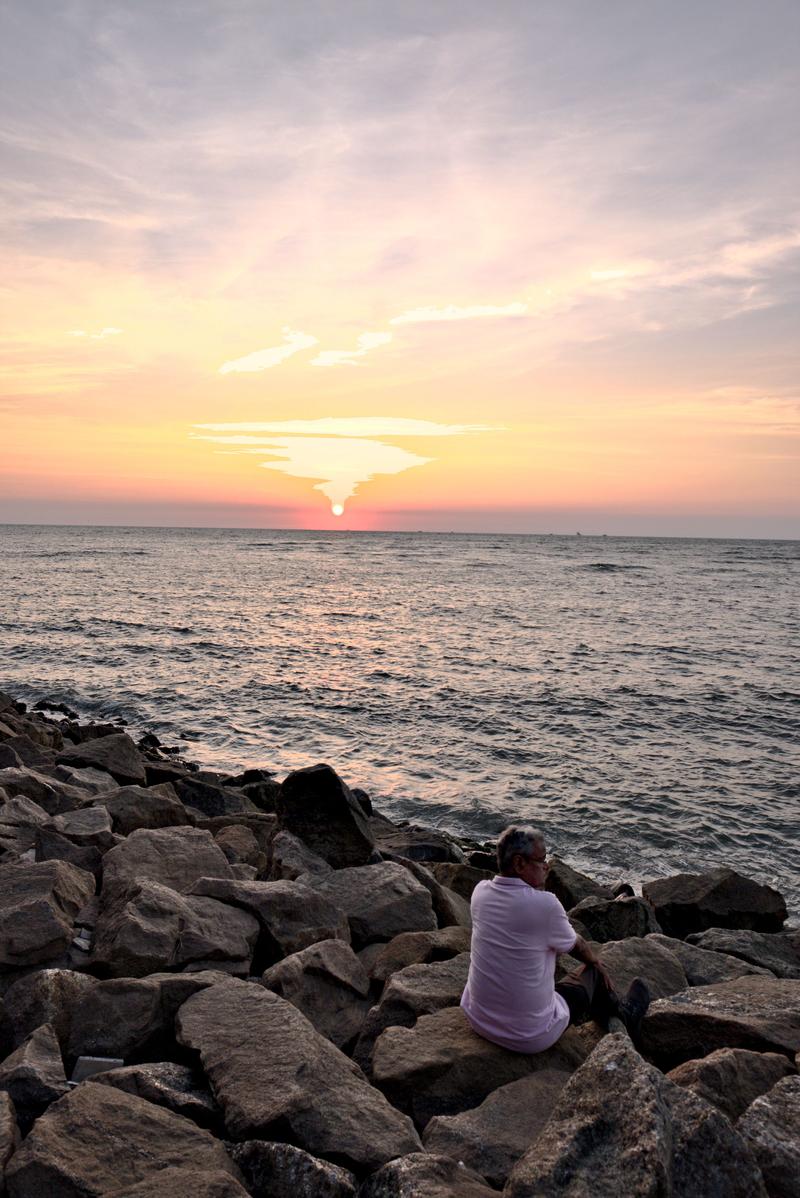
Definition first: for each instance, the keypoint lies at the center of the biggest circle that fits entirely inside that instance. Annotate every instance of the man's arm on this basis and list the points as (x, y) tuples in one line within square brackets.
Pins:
[(583, 953)]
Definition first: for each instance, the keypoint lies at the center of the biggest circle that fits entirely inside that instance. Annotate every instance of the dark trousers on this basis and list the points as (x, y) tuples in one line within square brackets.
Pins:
[(587, 996)]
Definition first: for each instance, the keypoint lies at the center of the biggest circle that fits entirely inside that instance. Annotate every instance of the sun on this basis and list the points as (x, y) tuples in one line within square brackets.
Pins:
[(337, 509)]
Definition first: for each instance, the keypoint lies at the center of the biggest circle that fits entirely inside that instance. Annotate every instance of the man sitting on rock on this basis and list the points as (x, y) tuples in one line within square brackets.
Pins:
[(518, 929)]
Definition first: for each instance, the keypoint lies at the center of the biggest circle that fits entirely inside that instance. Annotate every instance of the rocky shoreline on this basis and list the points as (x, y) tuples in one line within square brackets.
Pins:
[(215, 986)]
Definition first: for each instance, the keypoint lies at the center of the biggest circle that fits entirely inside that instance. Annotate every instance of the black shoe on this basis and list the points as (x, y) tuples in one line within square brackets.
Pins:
[(633, 1007)]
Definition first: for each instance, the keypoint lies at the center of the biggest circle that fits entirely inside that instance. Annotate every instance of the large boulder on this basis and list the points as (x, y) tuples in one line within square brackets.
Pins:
[(116, 755), (38, 904), (49, 793), (240, 846), (492, 1137), (176, 1087), (291, 915), (423, 1175), (415, 841), (570, 886), (768, 950), (759, 1013), (52, 846), (34, 1075), (97, 1140), (731, 1078), (274, 1077), (174, 857), (620, 1127), (418, 948), (45, 996), (212, 799), (440, 1066), (614, 919), (328, 984), (379, 901), (317, 806), (289, 858), (282, 1171), (771, 1129), (133, 807), (180, 1182), (703, 967), (413, 991), (688, 903), (450, 909), (642, 957), (150, 927), (461, 878), (86, 826)]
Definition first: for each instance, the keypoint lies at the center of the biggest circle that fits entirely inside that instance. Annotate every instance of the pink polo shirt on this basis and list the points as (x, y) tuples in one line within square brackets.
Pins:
[(517, 933)]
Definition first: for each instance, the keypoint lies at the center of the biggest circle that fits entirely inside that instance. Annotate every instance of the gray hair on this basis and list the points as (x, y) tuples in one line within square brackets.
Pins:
[(516, 839)]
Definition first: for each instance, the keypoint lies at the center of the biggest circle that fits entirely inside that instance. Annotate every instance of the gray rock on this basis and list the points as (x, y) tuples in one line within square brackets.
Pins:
[(642, 957), (762, 1014), (274, 1075), (441, 1067), (731, 1078), (492, 1137), (134, 807), (9, 1132), (34, 1075), (174, 857), (423, 1175), (450, 909), (461, 878), (418, 948), (317, 806), (570, 886), (768, 950), (289, 858), (50, 845), (619, 1127), (86, 826), (176, 1087), (413, 991), (45, 996), (703, 968), (93, 781), (97, 1140), (22, 812), (688, 903), (150, 927), (415, 842), (182, 1182), (50, 794), (380, 901), (328, 984), (282, 1171), (614, 919), (291, 915), (38, 903), (116, 755), (210, 798), (771, 1128), (240, 846)]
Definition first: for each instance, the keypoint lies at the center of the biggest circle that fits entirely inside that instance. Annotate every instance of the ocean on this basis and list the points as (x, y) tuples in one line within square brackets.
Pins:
[(637, 698)]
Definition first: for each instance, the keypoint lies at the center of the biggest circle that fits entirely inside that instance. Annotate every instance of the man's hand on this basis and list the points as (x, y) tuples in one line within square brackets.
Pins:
[(585, 954)]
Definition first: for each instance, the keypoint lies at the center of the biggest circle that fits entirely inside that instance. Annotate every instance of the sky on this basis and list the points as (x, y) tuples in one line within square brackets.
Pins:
[(527, 267)]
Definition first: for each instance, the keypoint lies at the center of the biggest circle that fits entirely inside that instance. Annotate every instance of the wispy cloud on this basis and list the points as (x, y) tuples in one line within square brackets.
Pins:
[(350, 426), (108, 331), (265, 359), (454, 312), (347, 357)]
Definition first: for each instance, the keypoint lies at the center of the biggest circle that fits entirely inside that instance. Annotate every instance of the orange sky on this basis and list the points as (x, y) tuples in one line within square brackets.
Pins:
[(418, 216)]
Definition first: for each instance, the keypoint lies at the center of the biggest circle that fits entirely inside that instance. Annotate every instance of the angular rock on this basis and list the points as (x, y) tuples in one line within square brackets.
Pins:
[(174, 857), (184, 1182), (441, 1067), (768, 950), (319, 808), (328, 984), (134, 807), (702, 967), (150, 927), (762, 1014), (92, 781), (418, 948), (9, 1133), (461, 878), (50, 794), (210, 798), (688, 903), (262, 826), (116, 755), (614, 919), (34, 1075), (771, 1129), (263, 794), (45, 996), (450, 909), (492, 1137), (570, 886), (423, 1175), (176, 1087), (731, 1078), (38, 903), (96, 1141), (133, 1018), (240, 846), (291, 915), (274, 1076), (52, 846), (289, 858), (416, 842), (380, 901), (619, 1127), (413, 991), (22, 812), (282, 1171), (642, 957), (86, 826)]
